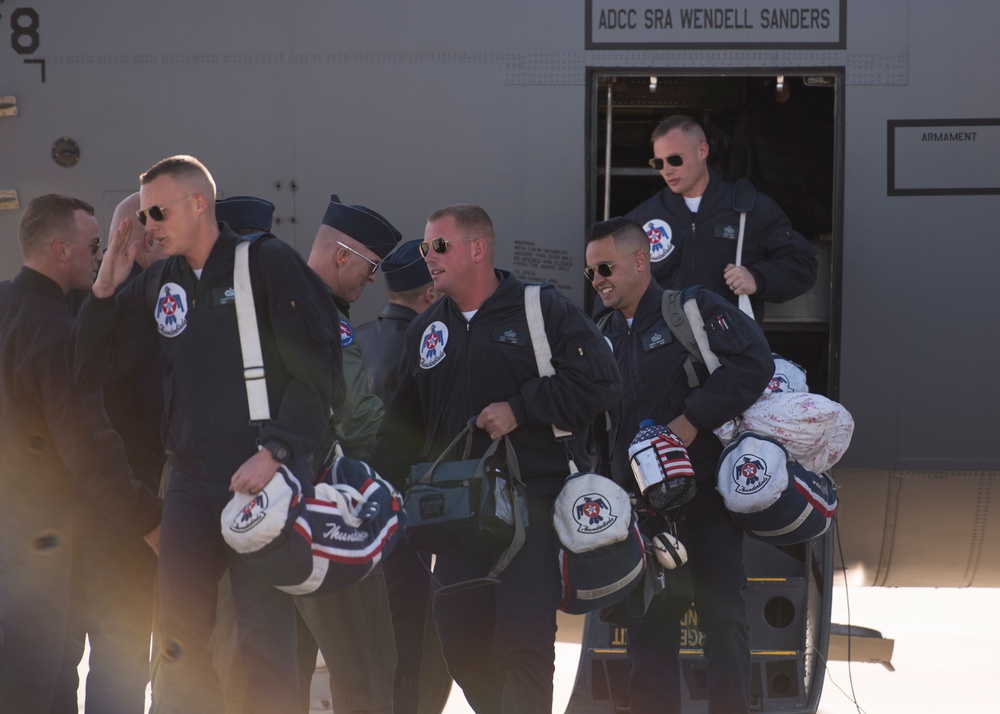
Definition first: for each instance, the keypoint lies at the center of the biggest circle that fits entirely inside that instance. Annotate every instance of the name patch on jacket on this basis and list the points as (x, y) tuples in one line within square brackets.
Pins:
[(171, 310), (346, 334), (509, 336), (432, 344), (655, 339), (726, 231), (223, 296), (661, 239)]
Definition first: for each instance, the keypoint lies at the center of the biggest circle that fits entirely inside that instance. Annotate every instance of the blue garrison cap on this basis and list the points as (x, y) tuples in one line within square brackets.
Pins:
[(363, 225), (405, 268), (245, 214)]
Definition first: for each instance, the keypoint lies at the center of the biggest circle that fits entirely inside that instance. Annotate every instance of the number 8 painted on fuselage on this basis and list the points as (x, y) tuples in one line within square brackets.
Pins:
[(21, 30)]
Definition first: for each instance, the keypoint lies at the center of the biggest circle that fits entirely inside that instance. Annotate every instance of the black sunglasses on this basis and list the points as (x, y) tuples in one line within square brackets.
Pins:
[(603, 269), (154, 212), (674, 160), (440, 245)]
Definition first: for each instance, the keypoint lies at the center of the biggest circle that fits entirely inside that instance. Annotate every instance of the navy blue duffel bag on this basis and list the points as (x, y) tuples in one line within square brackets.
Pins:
[(772, 496), (602, 557), (316, 540)]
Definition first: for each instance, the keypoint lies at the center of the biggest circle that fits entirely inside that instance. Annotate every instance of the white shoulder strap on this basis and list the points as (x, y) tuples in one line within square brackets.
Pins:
[(536, 326), (540, 340), (744, 300), (697, 323), (246, 317)]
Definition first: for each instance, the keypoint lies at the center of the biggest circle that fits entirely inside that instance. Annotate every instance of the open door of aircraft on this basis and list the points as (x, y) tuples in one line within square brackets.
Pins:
[(779, 130)]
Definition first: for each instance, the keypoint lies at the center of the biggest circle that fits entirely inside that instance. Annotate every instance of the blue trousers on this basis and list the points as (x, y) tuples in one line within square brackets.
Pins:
[(353, 630), (499, 641), (418, 651), (715, 558), (193, 557)]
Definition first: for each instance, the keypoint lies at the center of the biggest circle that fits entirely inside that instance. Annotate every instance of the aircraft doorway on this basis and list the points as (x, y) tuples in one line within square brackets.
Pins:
[(781, 130)]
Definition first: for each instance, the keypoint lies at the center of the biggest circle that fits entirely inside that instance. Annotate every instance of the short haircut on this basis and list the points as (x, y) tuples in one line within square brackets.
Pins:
[(626, 233), (48, 217), (181, 167), (686, 124), (470, 219)]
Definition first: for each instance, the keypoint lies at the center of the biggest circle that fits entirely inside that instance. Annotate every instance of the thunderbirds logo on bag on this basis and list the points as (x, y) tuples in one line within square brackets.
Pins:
[(779, 383), (592, 513), (750, 474), (432, 344), (660, 239), (171, 310), (252, 514)]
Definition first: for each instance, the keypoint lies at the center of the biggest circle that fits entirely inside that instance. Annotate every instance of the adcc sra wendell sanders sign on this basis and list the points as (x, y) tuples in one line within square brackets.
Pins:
[(712, 24)]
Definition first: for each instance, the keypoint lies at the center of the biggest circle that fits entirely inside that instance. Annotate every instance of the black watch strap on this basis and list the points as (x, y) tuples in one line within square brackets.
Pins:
[(279, 450)]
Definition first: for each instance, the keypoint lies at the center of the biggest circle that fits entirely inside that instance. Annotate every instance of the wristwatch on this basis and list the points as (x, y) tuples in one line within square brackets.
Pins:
[(279, 450)]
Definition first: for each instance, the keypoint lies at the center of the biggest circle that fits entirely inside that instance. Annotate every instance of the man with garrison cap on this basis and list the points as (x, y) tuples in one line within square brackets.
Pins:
[(349, 245), (409, 291), (422, 679), (353, 627)]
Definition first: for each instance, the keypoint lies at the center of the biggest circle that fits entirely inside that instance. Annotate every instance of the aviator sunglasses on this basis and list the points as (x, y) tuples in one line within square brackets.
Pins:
[(154, 212), (440, 245), (674, 160), (603, 269), (373, 263)]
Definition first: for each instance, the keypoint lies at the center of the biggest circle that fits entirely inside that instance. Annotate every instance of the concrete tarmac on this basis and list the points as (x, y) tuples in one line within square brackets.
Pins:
[(945, 654)]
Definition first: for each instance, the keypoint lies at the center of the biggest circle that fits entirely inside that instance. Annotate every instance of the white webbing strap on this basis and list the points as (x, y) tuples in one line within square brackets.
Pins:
[(697, 323), (744, 300), (540, 343), (536, 326), (246, 318)]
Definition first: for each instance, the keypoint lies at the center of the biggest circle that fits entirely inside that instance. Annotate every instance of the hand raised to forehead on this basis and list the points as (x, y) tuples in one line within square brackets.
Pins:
[(118, 260)]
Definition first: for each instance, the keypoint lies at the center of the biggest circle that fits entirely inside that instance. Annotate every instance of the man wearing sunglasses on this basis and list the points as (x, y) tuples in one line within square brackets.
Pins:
[(119, 605), (349, 246), (245, 215), (353, 627), (693, 228), (62, 468), (183, 307), (469, 356), (656, 387)]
